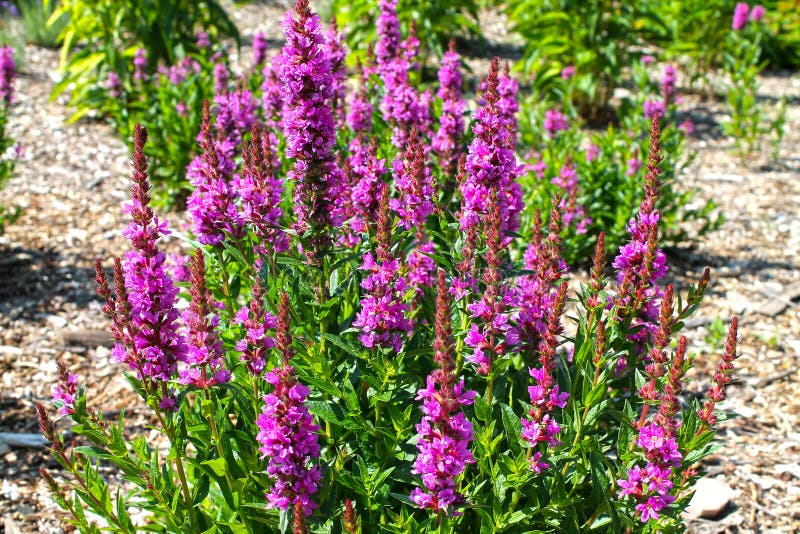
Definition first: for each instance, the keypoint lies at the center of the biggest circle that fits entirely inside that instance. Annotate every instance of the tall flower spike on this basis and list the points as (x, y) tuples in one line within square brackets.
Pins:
[(382, 319), (261, 193), (288, 435), (256, 321), (412, 179), (722, 377), (157, 343), (308, 123), (444, 432), (204, 357), (490, 164), (446, 144), (211, 206), (8, 71), (640, 263)]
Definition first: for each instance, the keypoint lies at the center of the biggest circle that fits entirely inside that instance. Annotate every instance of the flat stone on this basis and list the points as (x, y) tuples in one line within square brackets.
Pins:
[(710, 498)]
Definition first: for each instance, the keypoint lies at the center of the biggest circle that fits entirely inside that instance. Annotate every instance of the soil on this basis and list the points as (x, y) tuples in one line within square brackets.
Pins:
[(74, 179)]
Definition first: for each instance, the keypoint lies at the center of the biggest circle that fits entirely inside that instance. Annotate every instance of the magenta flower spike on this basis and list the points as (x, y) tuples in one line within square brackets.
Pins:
[(204, 355), (412, 179), (261, 191), (444, 432), (382, 319), (287, 433), (157, 344), (256, 322), (491, 164), (8, 71), (640, 264), (308, 85), (259, 50), (388, 29), (63, 393), (140, 64), (211, 206), (740, 16), (446, 144)]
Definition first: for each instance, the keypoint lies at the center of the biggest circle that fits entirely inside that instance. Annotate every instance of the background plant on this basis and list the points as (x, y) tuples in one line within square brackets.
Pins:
[(102, 36), (8, 151)]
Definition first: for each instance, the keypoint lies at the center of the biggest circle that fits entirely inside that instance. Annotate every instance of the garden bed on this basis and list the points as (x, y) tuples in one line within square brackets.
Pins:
[(75, 178)]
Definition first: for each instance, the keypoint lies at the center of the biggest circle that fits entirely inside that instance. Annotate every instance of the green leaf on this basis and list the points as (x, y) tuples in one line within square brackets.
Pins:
[(218, 465), (513, 427)]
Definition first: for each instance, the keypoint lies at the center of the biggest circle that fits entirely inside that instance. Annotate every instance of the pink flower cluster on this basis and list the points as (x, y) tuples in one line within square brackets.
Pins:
[(650, 486)]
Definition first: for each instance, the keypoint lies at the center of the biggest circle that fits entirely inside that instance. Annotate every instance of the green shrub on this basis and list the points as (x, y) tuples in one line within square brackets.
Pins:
[(102, 36)]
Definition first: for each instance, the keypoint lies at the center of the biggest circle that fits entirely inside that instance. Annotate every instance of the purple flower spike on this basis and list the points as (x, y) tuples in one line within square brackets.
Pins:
[(412, 178), (157, 344), (388, 28), (757, 13), (740, 16), (64, 391), (8, 71), (444, 432), (446, 144), (140, 64), (308, 91), (491, 164), (259, 50), (256, 321), (204, 356), (211, 205), (287, 433)]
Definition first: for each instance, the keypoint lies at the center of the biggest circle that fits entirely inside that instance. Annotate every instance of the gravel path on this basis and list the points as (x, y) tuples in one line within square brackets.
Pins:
[(73, 182)]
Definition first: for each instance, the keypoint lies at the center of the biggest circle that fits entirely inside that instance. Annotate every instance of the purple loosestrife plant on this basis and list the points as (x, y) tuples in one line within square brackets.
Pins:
[(260, 192), (308, 86), (8, 71), (412, 179), (256, 322), (491, 165), (157, 344), (446, 143), (287, 432), (63, 393), (205, 366), (444, 432), (212, 205), (311, 425)]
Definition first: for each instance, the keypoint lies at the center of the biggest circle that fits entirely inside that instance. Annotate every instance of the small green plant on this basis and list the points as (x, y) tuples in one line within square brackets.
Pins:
[(749, 122), (437, 22), (102, 36), (717, 330), (38, 24)]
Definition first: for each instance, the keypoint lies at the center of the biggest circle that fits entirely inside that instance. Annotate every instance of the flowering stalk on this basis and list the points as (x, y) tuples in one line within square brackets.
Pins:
[(212, 205), (446, 144), (490, 164), (722, 377), (545, 396), (382, 319), (204, 356), (287, 432), (308, 90), (444, 433)]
